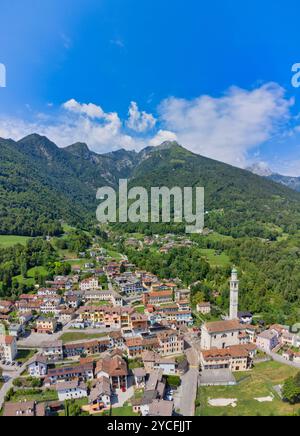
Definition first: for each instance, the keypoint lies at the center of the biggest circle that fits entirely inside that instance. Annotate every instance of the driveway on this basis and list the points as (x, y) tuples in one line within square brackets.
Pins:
[(123, 397)]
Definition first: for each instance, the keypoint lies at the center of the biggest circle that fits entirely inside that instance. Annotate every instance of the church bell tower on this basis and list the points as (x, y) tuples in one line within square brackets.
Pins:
[(234, 295)]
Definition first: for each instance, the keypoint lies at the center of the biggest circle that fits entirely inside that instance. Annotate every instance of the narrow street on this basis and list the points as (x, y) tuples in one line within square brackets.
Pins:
[(189, 387)]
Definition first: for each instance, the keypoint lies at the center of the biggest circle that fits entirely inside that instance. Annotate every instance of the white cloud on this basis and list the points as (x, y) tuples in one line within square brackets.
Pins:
[(162, 136), (227, 128), (91, 110), (88, 123), (139, 121)]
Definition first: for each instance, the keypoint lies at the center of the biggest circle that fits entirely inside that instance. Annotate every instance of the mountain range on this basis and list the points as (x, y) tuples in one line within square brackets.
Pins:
[(42, 184), (264, 171)]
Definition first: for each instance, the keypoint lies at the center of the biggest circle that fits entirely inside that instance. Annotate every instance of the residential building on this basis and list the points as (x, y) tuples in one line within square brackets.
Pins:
[(53, 350), (116, 340), (235, 358), (100, 395), (170, 343), (89, 347), (46, 325), (109, 317), (204, 308), (267, 340), (245, 317), (161, 408), (158, 297), (182, 295), (66, 315), (133, 286), (154, 390), (153, 361), (115, 369), (140, 376), (6, 307), (82, 372), (47, 292), (38, 367), (16, 330), (27, 408), (8, 348), (90, 284), (72, 390)]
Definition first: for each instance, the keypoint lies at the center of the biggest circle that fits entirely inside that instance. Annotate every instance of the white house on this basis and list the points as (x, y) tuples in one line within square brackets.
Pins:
[(245, 317), (89, 284), (204, 308), (153, 361), (53, 350), (38, 367), (8, 348), (72, 390), (267, 340)]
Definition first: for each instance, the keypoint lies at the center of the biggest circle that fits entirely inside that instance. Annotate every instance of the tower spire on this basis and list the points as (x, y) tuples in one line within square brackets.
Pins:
[(234, 294)]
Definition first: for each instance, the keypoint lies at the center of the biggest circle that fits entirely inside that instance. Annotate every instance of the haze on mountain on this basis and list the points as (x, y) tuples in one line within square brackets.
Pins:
[(262, 169), (42, 184)]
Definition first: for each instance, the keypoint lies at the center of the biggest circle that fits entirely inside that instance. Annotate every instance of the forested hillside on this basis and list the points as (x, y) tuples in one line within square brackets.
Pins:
[(41, 184)]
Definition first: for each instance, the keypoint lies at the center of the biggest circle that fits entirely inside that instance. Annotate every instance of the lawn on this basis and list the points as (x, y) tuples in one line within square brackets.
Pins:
[(9, 241), (31, 273), (118, 411), (258, 383), (114, 255), (140, 309), (34, 395), (123, 411), (24, 355), (217, 237), (215, 259), (78, 336)]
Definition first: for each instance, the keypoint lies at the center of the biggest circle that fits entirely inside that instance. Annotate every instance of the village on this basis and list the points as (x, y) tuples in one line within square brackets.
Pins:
[(110, 339)]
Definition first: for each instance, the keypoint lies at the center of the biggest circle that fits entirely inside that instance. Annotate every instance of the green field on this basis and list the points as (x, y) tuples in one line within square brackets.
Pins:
[(9, 241), (140, 309), (24, 355), (78, 336), (34, 395), (215, 259), (114, 255), (258, 383), (30, 280), (118, 411), (215, 236)]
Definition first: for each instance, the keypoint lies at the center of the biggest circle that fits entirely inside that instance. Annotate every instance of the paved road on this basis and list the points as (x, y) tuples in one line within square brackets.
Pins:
[(7, 386), (189, 386), (188, 392), (280, 359), (34, 340)]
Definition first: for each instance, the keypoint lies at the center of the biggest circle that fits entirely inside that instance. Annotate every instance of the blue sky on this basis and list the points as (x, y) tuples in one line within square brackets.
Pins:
[(214, 75)]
